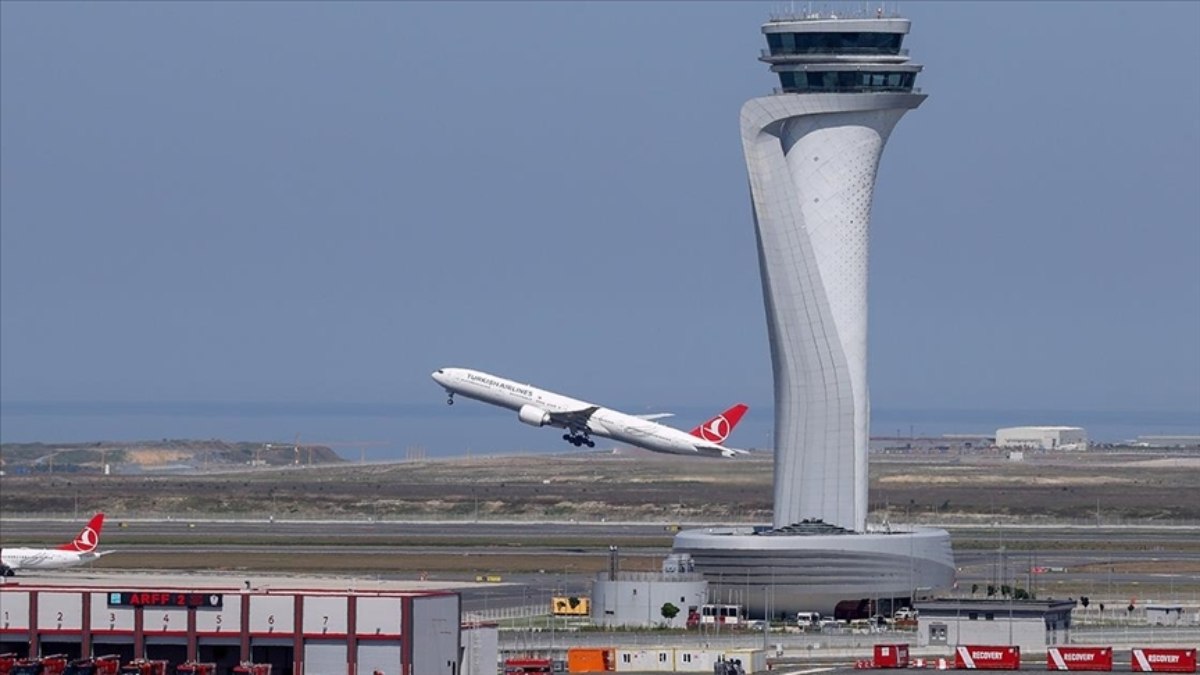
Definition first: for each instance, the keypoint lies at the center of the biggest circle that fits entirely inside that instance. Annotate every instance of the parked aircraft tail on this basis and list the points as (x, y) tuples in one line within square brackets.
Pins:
[(88, 538)]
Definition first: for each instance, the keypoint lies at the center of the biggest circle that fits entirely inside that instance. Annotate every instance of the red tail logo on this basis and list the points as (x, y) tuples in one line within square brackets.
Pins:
[(717, 429), (88, 538)]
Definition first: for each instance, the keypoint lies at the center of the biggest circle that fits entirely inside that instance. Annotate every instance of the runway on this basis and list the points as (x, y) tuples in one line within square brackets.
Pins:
[(1065, 562)]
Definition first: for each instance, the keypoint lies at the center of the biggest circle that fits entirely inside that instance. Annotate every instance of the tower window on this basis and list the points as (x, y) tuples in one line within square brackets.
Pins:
[(834, 43), (845, 81)]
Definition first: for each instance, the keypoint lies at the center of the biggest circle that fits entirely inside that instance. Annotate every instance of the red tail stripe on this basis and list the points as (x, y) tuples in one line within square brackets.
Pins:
[(717, 429), (88, 538)]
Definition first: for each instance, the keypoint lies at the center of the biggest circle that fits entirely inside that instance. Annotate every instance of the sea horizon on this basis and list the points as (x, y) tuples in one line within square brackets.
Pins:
[(389, 430)]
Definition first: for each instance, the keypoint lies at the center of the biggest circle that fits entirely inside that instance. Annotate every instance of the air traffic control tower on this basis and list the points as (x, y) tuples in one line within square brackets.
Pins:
[(812, 152)]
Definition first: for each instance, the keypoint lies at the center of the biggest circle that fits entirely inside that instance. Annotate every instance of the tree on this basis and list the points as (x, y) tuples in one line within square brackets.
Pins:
[(573, 602), (1020, 594), (669, 611), (974, 589), (991, 590), (1083, 600)]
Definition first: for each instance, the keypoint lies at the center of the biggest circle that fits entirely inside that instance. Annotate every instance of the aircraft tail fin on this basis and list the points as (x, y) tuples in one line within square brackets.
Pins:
[(717, 429), (88, 538)]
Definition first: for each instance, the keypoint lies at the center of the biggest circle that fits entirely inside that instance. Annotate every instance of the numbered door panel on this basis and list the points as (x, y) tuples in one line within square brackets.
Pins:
[(379, 616), (379, 655), (60, 611), (325, 657), (164, 620), (110, 619), (214, 621), (272, 614), (14, 610), (325, 615)]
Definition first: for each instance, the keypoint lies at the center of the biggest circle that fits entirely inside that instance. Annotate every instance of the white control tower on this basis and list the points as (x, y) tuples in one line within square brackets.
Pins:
[(812, 151)]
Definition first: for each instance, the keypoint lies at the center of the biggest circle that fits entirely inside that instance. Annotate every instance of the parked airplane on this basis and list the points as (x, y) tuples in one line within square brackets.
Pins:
[(541, 408), (81, 550)]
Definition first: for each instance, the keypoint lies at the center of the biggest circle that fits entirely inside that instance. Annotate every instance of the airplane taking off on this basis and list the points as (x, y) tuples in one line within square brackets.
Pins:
[(541, 408), (81, 550)]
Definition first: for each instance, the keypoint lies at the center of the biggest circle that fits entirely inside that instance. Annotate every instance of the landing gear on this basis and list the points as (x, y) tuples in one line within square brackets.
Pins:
[(578, 440), (450, 399)]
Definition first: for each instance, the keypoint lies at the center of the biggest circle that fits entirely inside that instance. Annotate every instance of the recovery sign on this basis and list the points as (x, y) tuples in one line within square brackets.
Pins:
[(1164, 660), (987, 657), (1079, 658)]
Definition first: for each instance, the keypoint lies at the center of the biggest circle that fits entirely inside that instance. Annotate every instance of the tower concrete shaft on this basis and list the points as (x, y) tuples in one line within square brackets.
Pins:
[(812, 151)]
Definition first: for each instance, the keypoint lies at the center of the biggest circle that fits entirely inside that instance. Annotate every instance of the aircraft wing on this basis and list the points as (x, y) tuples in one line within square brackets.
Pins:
[(719, 451), (574, 419), (654, 416)]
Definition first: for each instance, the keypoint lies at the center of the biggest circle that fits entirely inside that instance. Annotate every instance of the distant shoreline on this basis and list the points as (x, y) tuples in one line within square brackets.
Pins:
[(382, 431)]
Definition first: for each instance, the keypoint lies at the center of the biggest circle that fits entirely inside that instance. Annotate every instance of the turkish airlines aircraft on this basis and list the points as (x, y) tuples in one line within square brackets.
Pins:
[(541, 408), (81, 550)]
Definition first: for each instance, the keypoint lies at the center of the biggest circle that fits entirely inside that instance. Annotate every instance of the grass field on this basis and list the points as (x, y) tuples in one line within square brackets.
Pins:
[(983, 488)]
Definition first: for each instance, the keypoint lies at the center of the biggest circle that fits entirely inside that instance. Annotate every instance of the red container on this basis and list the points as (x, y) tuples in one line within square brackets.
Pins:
[(987, 657), (1079, 658), (522, 666), (891, 656), (1163, 660)]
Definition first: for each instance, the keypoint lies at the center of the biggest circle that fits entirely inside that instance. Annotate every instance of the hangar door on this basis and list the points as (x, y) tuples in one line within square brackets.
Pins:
[(323, 657), (382, 656)]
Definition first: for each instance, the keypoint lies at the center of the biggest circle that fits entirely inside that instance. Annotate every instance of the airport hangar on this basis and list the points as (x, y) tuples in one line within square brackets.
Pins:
[(1042, 438), (812, 151), (323, 627)]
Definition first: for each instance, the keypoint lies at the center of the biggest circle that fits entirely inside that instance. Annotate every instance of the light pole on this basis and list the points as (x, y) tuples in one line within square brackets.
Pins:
[(766, 619)]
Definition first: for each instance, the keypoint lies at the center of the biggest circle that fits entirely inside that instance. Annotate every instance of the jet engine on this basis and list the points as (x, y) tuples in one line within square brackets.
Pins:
[(533, 416)]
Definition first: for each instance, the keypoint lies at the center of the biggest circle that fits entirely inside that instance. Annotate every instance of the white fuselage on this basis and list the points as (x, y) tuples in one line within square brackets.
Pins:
[(44, 558), (605, 422)]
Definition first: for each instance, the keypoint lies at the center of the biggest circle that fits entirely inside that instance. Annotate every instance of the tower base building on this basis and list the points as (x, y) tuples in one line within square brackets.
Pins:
[(812, 151), (815, 568)]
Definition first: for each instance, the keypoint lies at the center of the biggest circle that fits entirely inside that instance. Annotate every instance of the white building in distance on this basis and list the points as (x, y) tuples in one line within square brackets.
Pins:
[(1043, 438)]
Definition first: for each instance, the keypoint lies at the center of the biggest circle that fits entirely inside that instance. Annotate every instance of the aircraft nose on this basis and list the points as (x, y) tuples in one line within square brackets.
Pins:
[(439, 376)]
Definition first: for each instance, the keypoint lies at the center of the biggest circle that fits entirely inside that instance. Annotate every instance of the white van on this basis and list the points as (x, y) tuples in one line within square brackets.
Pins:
[(806, 620)]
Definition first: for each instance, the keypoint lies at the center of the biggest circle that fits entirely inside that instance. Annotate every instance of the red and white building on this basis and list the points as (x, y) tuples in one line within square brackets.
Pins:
[(298, 628)]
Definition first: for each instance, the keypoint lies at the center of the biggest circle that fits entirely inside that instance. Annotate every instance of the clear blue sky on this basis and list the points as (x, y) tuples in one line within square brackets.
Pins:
[(292, 202)]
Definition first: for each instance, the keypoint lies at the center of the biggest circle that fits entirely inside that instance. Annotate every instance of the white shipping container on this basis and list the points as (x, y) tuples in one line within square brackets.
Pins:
[(650, 659)]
